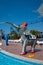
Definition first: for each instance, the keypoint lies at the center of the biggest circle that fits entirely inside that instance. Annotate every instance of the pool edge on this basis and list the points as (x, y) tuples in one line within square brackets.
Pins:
[(21, 57)]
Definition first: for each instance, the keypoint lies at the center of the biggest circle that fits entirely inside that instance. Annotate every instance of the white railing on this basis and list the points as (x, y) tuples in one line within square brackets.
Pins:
[(38, 41)]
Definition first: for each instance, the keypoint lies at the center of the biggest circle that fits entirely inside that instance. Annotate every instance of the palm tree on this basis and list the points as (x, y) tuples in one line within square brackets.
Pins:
[(14, 35), (36, 33)]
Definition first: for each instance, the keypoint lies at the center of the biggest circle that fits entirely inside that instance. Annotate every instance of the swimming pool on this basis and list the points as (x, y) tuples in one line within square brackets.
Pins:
[(8, 60)]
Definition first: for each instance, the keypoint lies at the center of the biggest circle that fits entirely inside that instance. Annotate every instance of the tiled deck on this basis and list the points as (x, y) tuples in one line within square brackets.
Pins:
[(16, 48)]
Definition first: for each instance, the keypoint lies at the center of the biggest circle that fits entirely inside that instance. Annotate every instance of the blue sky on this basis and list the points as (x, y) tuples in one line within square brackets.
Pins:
[(19, 11)]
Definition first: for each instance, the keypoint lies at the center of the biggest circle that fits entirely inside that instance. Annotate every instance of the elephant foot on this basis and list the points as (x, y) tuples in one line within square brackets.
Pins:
[(23, 53)]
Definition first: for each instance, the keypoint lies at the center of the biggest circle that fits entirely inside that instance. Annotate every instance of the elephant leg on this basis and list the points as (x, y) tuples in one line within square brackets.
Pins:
[(24, 47), (32, 52), (33, 46)]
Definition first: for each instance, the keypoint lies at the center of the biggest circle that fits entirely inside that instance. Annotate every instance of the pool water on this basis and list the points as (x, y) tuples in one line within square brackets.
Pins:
[(8, 60)]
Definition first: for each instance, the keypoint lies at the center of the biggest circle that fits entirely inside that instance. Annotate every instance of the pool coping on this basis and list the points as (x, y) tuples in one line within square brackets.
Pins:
[(21, 57)]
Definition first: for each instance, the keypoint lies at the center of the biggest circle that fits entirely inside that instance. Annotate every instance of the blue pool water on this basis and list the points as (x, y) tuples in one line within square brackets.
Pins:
[(8, 60)]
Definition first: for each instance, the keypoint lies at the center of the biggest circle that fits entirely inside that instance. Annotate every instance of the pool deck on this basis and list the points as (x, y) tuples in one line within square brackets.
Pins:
[(16, 49)]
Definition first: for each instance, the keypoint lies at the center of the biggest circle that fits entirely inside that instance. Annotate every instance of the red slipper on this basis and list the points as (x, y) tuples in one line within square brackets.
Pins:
[(32, 51), (23, 53)]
